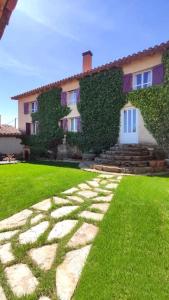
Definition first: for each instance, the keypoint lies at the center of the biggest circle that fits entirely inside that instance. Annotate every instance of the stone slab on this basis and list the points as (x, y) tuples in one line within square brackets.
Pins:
[(6, 255), (75, 198), (103, 207), (112, 186), (37, 218), (70, 191), (31, 235), (84, 186), (2, 294), (87, 194), (7, 235), (68, 273), (16, 220), (93, 183), (106, 176), (21, 280), (91, 215), (103, 198), (44, 256), (63, 211), (61, 229), (60, 201), (84, 235), (103, 191), (44, 205)]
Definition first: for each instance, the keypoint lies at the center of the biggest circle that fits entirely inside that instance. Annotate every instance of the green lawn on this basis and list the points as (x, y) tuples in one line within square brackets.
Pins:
[(25, 184), (130, 256)]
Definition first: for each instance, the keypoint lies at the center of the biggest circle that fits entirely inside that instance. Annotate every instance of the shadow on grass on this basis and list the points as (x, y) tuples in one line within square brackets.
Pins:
[(63, 164)]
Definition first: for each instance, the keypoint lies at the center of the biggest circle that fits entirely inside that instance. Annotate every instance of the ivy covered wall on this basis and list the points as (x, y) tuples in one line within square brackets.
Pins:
[(49, 113), (153, 103), (101, 99)]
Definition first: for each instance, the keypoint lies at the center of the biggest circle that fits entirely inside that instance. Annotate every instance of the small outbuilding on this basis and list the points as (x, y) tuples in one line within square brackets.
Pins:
[(10, 140)]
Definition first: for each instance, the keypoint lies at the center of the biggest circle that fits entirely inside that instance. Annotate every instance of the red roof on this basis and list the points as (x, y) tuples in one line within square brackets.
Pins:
[(7, 130), (116, 63), (6, 14)]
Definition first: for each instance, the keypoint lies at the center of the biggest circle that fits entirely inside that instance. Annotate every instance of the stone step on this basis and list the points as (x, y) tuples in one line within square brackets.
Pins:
[(124, 157), (127, 152), (129, 170), (122, 162)]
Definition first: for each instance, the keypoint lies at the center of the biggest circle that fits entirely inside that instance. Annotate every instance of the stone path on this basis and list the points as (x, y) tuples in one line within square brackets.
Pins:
[(53, 235)]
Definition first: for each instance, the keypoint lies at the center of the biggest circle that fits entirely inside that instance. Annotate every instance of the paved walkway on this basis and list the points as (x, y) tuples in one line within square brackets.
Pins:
[(53, 238)]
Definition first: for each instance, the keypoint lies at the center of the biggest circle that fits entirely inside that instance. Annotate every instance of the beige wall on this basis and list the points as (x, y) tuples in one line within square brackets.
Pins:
[(22, 118), (144, 137), (9, 145), (143, 64)]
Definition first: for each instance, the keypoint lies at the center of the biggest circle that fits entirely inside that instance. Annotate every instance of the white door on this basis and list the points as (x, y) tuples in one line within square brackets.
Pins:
[(129, 126)]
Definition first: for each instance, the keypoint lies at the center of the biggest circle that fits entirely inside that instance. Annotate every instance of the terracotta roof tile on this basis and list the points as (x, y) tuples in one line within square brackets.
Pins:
[(7, 130), (6, 14), (116, 63)]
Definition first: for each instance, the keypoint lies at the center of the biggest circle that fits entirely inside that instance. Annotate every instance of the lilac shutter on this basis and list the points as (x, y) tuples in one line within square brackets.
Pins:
[(63, 98), (26, 108), (78, 124), (158, 74), (65, 127), (78, 95), (127, 83)]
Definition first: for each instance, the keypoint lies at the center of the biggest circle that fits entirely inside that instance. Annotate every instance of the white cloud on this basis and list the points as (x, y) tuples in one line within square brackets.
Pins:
[(9, 63)]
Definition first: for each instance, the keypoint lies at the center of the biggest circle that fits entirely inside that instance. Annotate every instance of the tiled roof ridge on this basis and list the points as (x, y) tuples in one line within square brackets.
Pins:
[(116, 63), (8, 130)]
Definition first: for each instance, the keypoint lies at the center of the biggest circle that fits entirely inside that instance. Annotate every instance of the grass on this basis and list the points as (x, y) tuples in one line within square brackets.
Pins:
[(25, 184), (130, 256)]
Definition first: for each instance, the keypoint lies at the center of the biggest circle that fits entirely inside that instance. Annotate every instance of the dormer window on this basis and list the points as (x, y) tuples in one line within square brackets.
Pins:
[(142, 80)]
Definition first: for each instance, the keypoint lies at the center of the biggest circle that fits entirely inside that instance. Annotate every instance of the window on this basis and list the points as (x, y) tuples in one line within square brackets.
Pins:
[(74, 124), (34, 106), (142, 80), (35, 128), (28, 128), (72, 97)]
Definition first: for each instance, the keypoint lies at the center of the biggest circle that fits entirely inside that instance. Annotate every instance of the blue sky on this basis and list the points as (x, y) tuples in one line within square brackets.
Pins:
[(45, 39)]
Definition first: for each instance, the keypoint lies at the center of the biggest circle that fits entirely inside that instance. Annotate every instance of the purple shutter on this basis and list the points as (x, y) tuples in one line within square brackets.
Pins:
[(158, 74), (127, 83), (78, 124), (65, 125), (78, 95), (26, 108), (63, 98)]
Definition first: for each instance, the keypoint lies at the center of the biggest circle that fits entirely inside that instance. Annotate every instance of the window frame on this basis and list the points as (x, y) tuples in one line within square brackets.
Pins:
[(35, 128), (75, 124), (35, 106), (135, 85), (74, 102)]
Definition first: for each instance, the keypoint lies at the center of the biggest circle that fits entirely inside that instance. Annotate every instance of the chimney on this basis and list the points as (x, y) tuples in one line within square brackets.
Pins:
[(87, 61)]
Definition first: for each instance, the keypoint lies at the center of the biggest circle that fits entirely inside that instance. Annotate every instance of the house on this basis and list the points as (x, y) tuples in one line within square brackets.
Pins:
[(141, 70), (6, 9), (10, 140)]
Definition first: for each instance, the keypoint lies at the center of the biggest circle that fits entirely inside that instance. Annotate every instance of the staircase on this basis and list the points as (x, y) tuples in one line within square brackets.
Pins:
[(131, 158)]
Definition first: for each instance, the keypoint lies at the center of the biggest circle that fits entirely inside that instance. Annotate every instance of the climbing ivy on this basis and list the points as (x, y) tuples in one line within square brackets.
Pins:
[(49, 113), (153, 103), (101, 99)]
